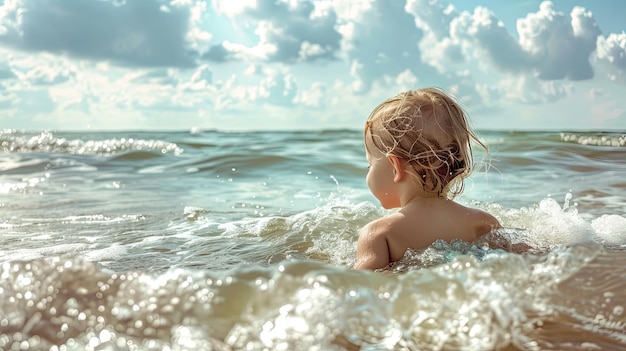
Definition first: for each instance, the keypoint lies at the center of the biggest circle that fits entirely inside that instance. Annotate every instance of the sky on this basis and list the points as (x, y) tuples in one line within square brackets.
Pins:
[(307, 64)]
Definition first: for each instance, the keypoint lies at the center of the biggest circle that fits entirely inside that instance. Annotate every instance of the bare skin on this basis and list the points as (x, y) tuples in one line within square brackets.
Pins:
[(422, 219)]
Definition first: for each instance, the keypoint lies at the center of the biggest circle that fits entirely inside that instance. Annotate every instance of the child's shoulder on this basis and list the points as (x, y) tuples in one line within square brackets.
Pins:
[(395, 219), (384, 225), (377, 245), (482, 221), (387, 229)]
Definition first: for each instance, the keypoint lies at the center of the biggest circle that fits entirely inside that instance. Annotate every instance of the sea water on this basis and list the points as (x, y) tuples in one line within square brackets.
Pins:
[(209, 240)]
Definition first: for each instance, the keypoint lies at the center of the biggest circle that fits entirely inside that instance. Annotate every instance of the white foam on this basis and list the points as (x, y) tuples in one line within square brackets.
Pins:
[(113, 252), (598, 140), (549, 224), (610, 229)]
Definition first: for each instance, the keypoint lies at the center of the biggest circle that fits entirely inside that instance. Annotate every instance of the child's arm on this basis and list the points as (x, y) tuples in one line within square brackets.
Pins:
[(372, 250)]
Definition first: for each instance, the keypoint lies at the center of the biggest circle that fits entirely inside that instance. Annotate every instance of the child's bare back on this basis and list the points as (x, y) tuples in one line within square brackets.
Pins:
[(418, 148), (418, 225)]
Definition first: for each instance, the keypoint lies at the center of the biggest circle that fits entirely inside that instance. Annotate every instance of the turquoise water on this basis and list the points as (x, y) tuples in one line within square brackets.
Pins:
[(244, 241)]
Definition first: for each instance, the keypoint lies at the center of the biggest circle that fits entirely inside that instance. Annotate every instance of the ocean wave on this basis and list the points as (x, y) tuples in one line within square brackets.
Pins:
[(500, 301), (613, 139), (328, 233), (47, 142)]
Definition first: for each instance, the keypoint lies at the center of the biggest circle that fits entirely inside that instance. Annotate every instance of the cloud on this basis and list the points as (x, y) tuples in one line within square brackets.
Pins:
[(560, 47), (219, 53), (551, 45), (437, 47), (432, 16), (294, 31), (8, 99), (380, 40), (275, 87), (40, 70), (201, 79), (453, 40), (155, 76), (525, 90), (314, 97), (611, 52), (483, 31), (278, 89), (5, 71), (136, 33), (73, 97), (45, 74)]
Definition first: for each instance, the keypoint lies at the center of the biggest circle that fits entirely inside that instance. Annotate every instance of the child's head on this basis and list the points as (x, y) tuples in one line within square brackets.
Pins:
[(430, 132)]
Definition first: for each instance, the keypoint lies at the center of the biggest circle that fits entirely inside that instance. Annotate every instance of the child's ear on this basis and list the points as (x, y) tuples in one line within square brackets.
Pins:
[(398, 168)]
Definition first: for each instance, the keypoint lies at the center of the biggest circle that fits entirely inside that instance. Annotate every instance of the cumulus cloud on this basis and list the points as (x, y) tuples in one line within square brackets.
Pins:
[(484, 31), (524, 89), (288, 31), (315, 96), (437, 47), (433, 16), (551, 45), (380, 40), (46, 75), (73, 97), (138, 33), (263, 86), (560, 47), (244, 58), (202, 78), (611, 52), (41, 70), (276, 87)]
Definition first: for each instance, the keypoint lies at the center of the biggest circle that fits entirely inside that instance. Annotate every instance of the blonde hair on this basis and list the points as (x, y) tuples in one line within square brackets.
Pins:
[(430, 131)]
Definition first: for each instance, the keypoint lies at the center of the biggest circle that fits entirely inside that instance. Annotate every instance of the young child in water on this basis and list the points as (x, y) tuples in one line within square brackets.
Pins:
[(418, 149)]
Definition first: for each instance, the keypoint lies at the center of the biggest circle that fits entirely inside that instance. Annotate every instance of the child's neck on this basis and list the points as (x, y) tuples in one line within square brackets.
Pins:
[(422, 197)]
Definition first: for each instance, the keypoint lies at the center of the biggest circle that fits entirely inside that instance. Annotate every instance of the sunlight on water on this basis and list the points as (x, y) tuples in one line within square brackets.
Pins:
[(469, 302), (205, 240)]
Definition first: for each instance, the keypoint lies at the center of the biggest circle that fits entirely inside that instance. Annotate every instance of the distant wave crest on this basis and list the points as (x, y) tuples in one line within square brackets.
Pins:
[(618, 140), (48, 142)]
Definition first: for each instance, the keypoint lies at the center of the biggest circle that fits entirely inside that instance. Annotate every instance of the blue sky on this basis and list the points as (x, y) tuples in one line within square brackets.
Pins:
[(298, 64)]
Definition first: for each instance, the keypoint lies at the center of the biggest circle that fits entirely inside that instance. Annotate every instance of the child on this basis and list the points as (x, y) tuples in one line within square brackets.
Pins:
[(418, 149)]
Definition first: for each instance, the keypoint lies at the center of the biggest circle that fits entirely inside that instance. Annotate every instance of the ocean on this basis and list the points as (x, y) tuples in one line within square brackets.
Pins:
[(213, 240)]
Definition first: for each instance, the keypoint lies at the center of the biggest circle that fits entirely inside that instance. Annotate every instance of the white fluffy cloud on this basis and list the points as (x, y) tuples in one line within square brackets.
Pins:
[(560, 47), (265, 85), (438, 48), (526, 90), (315, 96), (287, 31), (140, 33), (159, 62), (551, 44), (381, 40), (484, 32), (611, 52)]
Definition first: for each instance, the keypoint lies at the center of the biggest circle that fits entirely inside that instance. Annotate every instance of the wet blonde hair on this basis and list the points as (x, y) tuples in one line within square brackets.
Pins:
[(430, 131)]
